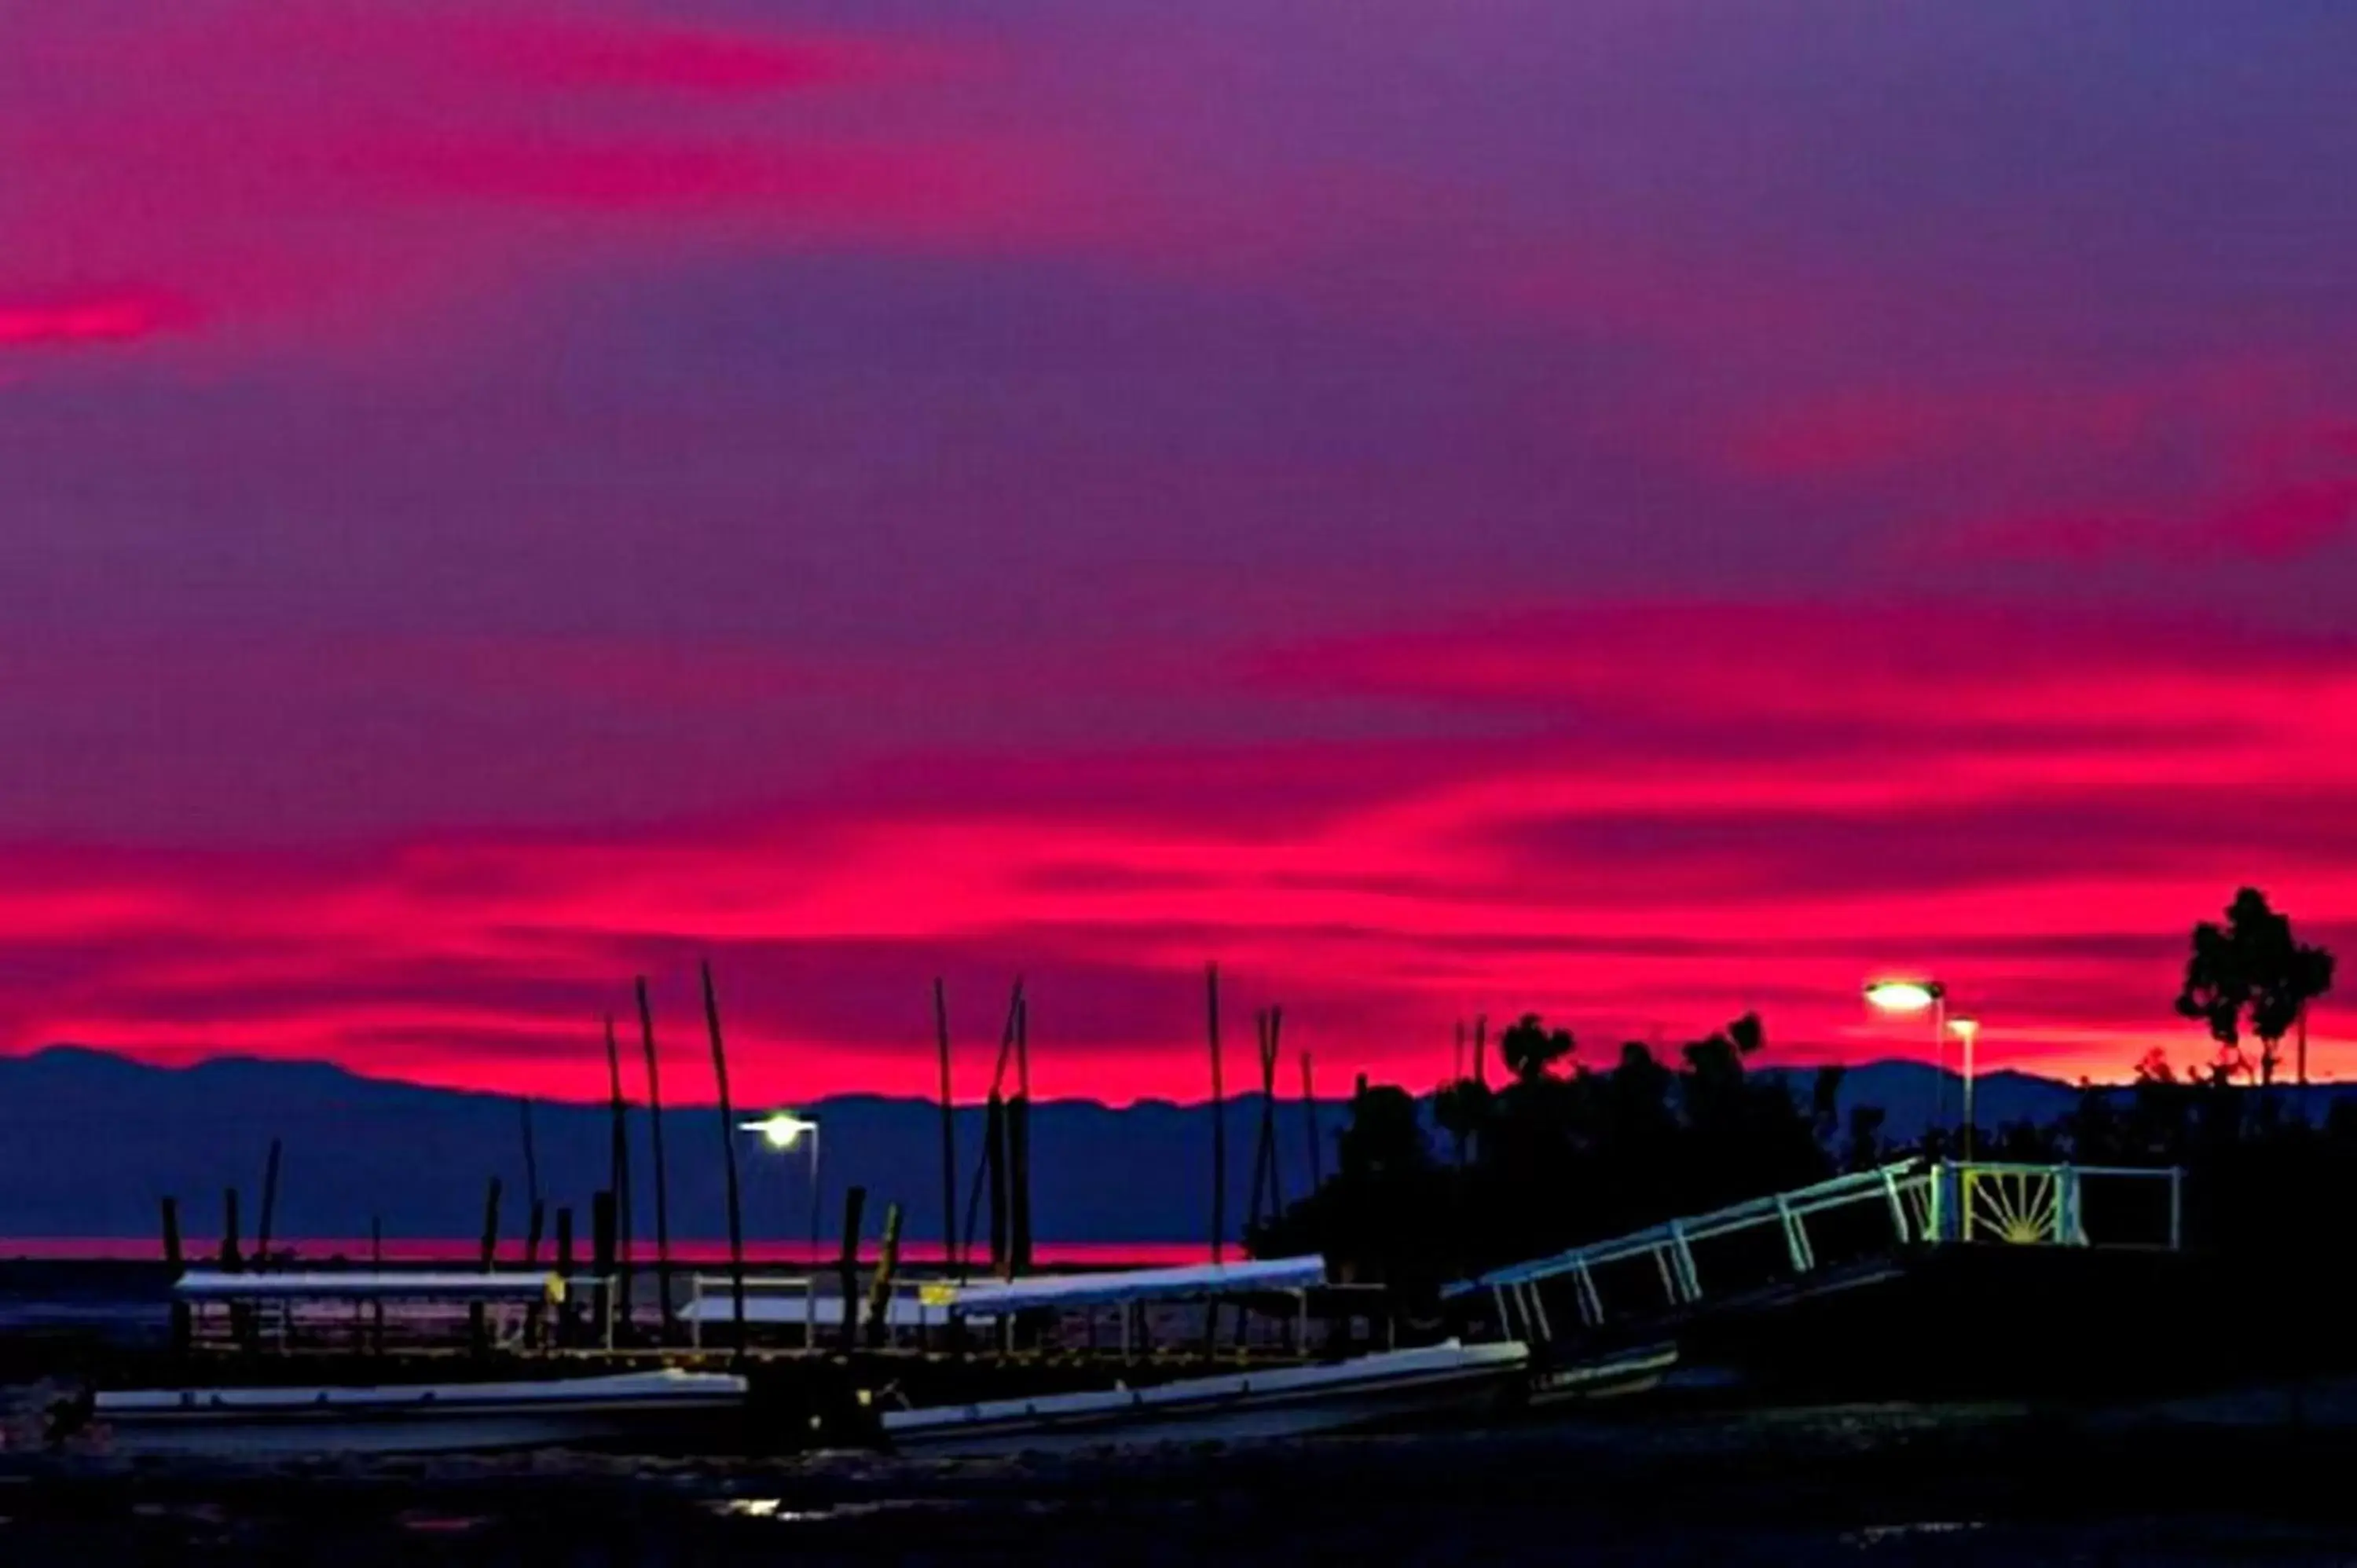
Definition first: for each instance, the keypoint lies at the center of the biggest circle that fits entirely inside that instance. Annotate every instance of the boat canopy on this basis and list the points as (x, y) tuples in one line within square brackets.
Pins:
[(362, 1284), (1122, 1288), (718, 1306)]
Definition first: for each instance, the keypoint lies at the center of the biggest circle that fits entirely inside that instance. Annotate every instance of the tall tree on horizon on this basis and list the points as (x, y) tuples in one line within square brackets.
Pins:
[(2252, 973)]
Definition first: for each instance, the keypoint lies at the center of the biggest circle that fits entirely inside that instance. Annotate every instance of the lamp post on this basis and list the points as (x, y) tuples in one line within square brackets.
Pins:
[(781, 1129), (1927, 996), (1967, 1030)]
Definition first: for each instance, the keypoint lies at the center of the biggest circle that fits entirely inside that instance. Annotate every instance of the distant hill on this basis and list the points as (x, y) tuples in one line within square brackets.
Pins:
[(89, 1141)]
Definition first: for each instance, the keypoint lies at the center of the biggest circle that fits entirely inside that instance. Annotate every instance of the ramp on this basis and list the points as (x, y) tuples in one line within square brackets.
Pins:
[(1834, 1234)]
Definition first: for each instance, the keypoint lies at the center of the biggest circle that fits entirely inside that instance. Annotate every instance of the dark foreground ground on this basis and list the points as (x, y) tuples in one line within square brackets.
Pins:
[(2237, 1479)]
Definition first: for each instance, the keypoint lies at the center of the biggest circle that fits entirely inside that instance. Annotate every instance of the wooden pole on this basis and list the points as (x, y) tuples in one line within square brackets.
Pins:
[(994, 1157), (269, 1208), (855, 1203), (949, 1131), (533, 1224), (1309, 1115), (618, 1174), (230, 1259), (663, 1182), (530, 1156), (1268, 1177), (729, 1152), (1219, 1118), (879, 1293), (1482, 1050), (181, 1322), (601, 1252), (376, 1261), (981, 1171), (1018, 1146), (491, 1245), (566, 1311), (477, 1314)]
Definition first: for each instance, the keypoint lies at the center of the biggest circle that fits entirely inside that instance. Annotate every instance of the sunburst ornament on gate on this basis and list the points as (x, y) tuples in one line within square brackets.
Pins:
[(2017, 1208)]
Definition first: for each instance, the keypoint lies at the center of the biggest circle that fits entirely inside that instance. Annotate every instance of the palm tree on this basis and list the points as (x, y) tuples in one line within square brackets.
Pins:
[(2251, 973)]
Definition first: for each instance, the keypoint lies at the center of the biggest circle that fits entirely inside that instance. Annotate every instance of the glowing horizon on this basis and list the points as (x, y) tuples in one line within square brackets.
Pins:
[(1600, 510)]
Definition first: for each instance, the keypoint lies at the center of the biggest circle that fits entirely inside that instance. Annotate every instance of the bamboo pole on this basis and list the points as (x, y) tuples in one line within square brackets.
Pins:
[(531, 1155), (534, 1223), (618, 1173), (855, 1203), (1219, 1118), (994, 1159), (566, 1310), (376, 1261), (231, 1258), (269, 1208), (663, 1180), (476, 1316), (729, 1150), (181, 1322), (1309, 1115), (1018, 1146), (949, 1131), (981, 1176), (879, 1293)]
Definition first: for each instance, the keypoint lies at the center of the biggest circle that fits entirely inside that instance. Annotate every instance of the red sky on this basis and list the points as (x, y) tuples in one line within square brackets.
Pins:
[(1636, 509)]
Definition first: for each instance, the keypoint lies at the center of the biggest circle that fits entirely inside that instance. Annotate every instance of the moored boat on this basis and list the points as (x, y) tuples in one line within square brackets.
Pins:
[(1363, 1391), (665, 1410), (1608, 1374)]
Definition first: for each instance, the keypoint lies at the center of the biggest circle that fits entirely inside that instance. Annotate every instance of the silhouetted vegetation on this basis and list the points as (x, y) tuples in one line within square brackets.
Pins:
[(2251, 973), (1564, 1152)]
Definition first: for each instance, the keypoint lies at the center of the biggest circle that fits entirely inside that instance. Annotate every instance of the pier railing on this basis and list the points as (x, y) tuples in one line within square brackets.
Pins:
[(1848, 1225)]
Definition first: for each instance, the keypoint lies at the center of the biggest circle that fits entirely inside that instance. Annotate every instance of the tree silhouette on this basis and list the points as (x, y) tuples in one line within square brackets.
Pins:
[(2251, 973), (1530, 1050)]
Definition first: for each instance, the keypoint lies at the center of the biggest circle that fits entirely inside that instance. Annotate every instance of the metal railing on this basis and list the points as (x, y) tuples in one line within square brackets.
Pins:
[(1885, 1211)]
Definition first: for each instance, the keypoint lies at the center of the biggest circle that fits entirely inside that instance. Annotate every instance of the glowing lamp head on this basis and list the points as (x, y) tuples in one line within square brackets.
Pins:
[(781, 1128), (1903, 996), (1965, 1029)]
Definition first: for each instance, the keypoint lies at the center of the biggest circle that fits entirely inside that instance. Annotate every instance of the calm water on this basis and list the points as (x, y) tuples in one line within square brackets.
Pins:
[(1540, 1497)]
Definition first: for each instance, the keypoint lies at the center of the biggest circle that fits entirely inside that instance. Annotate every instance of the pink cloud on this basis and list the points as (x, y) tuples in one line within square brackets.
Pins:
[(553, 51), (2276, 524), (199, 151), (1585, 866), (90, 319)]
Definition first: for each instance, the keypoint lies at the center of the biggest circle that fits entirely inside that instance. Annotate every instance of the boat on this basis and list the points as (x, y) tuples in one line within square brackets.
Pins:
[(1383, 1389), (654, 1411), (1609, 1375)]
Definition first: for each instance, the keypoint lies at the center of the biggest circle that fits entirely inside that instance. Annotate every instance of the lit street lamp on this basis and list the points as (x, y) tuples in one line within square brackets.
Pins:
[(781, 1129), (1931, 996), (1968, 1030)]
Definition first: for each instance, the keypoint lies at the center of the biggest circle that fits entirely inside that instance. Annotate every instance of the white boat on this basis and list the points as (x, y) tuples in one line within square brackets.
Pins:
[(660, 1410), (1388, 1387)]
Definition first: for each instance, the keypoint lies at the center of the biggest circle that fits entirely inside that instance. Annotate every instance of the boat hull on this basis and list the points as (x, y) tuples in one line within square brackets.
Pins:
[(1389, 1388), (1604, 1376), (658, 1412)]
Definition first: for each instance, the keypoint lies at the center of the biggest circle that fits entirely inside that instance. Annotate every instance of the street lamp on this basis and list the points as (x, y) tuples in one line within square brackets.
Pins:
[(781, 1129), (1968, 1030), (1923, 996)]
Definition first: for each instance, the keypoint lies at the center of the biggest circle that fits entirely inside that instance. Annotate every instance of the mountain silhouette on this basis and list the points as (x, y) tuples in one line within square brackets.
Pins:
[(90, 1142)]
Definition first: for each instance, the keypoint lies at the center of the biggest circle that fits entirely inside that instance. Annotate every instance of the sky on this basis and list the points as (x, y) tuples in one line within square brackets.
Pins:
[(1634, 509)]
